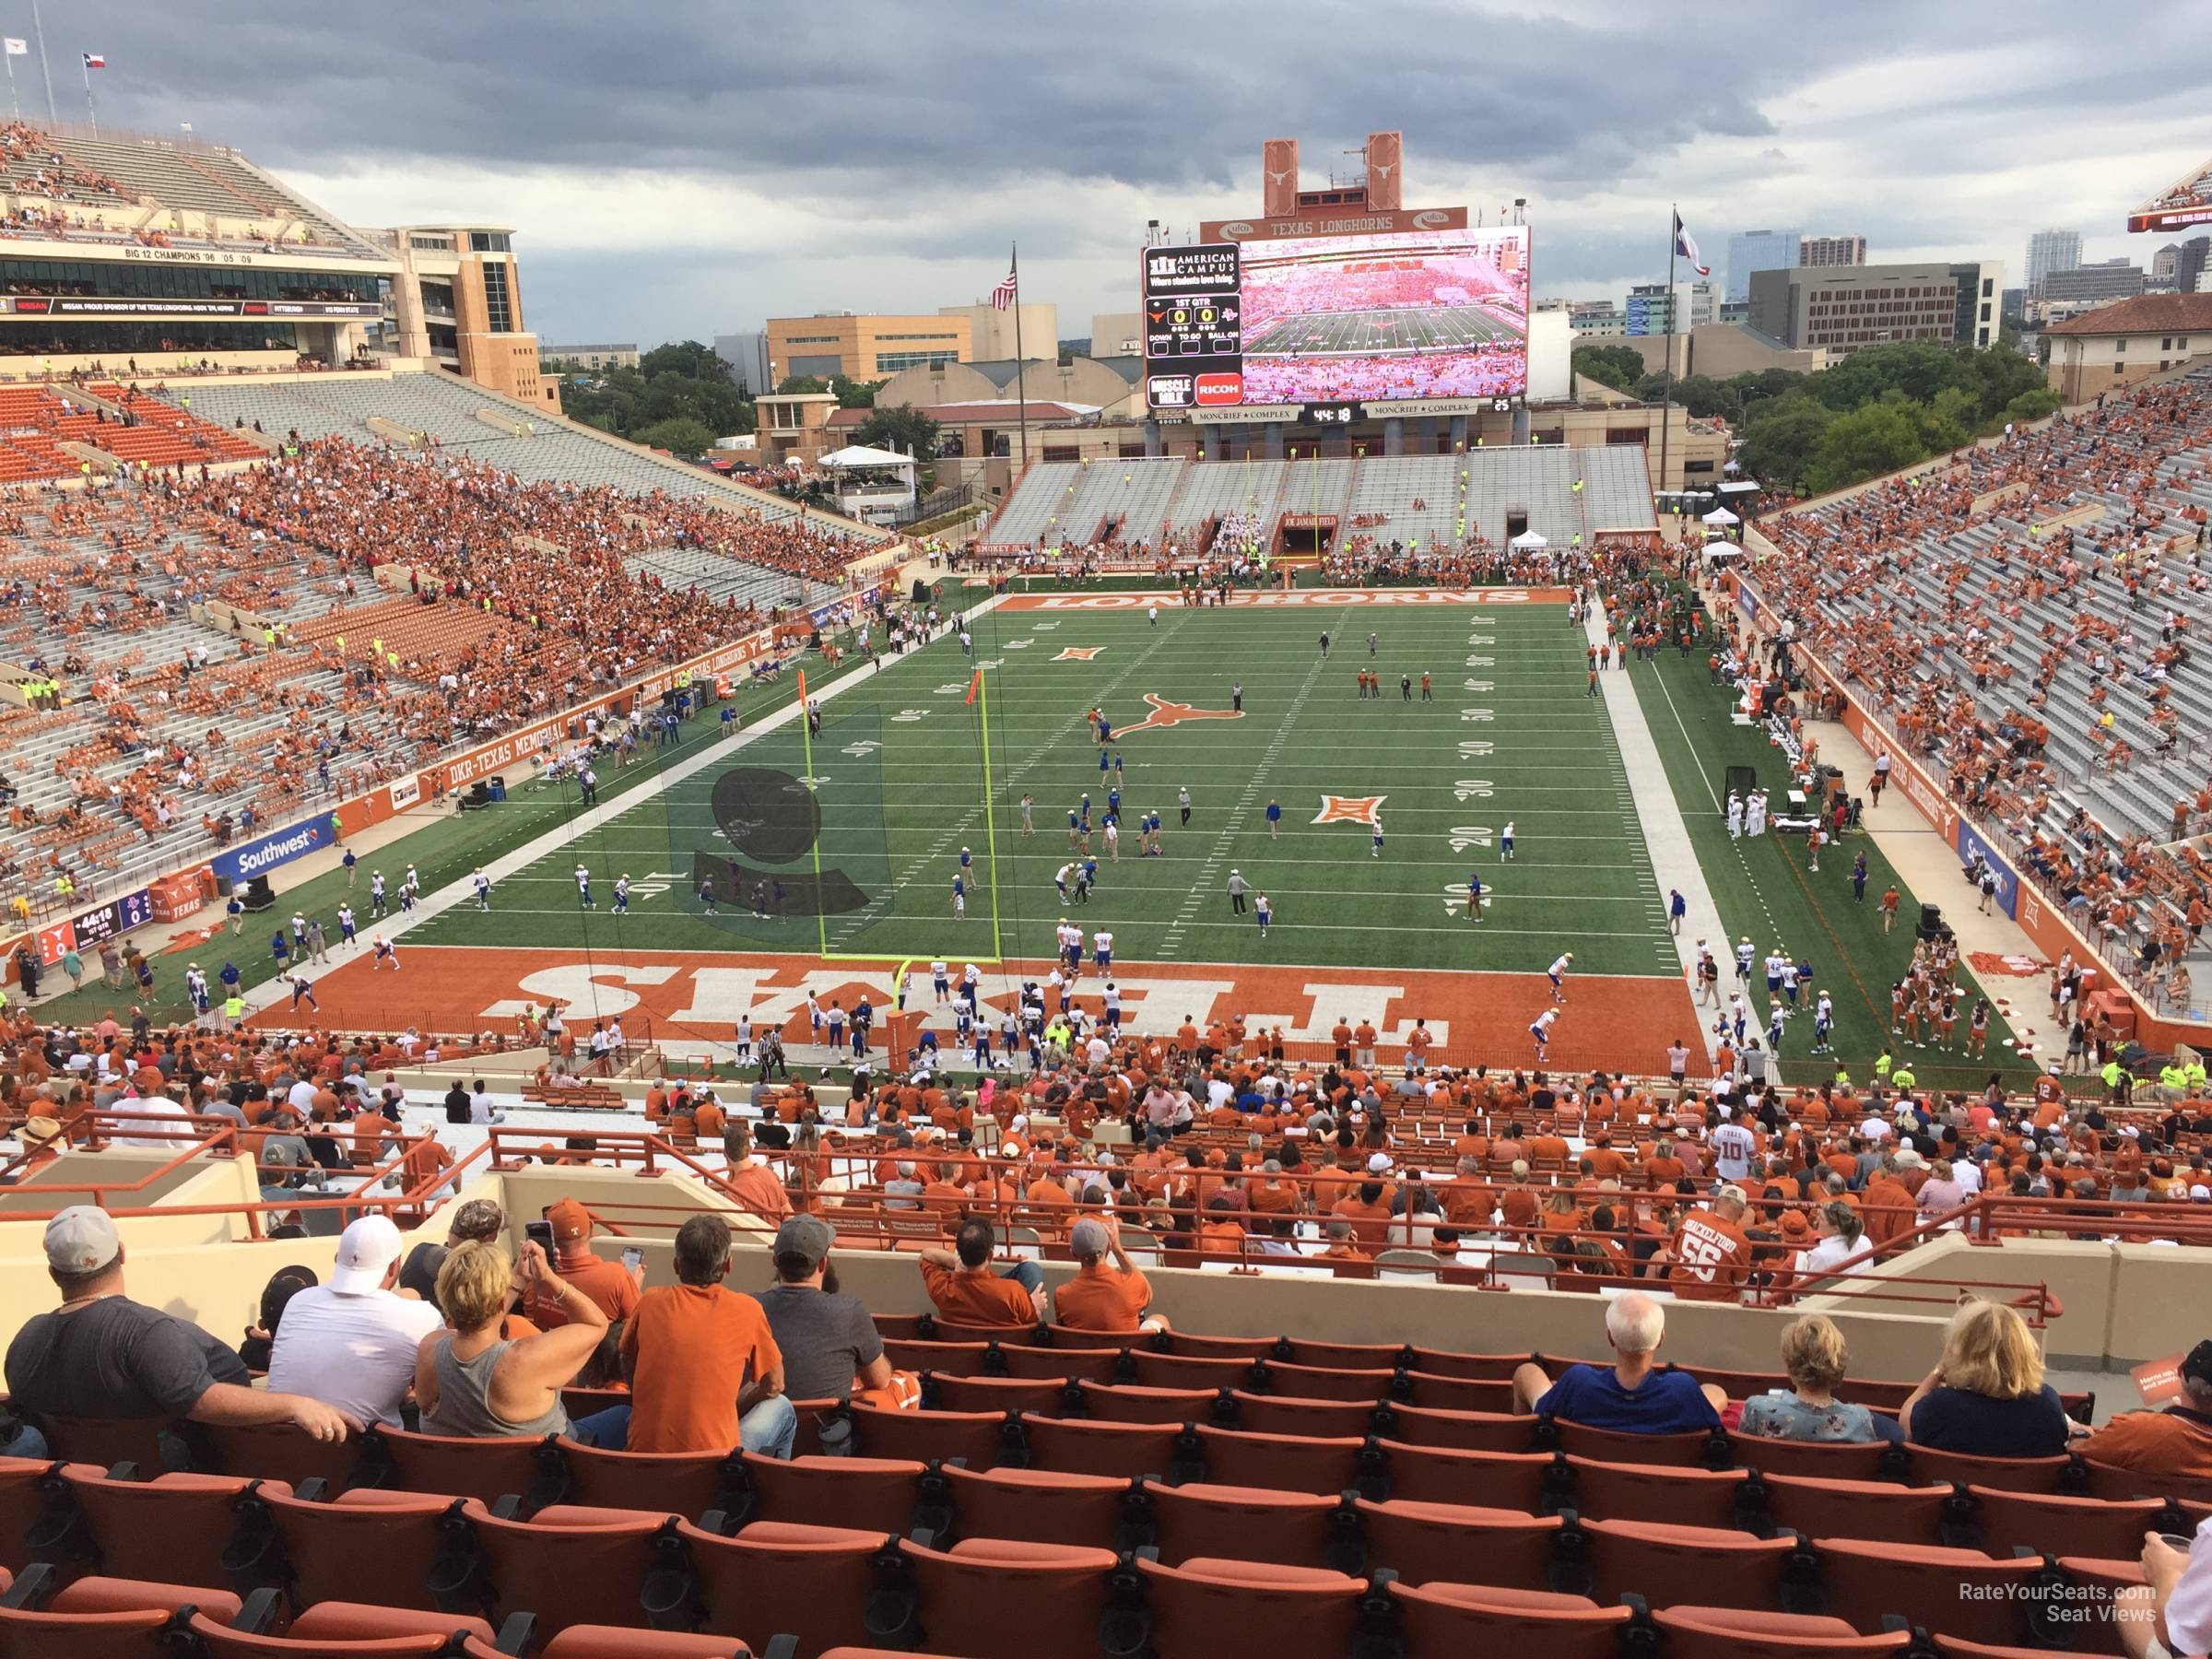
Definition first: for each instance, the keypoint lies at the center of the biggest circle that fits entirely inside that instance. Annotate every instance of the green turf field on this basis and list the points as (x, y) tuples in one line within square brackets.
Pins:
[(1763, 888), (898, 779)]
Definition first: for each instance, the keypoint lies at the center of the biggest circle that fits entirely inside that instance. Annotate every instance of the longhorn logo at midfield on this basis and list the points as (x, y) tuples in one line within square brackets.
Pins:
[(1165, 713)]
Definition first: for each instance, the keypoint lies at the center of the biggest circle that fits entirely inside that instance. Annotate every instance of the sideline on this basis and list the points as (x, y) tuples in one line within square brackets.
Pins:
[(713, 750), (1659, 815)]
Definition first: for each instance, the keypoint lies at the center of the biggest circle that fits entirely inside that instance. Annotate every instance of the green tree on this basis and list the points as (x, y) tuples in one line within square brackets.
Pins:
[(857, 393), (794, 385), (683, 357), (679, 436), (1878, 438), (1620, 367), (1782, 435), (901, 427), (2033, 405)]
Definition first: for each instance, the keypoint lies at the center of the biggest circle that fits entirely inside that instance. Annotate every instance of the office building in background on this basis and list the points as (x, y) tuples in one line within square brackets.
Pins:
[(1817, 251), (1750, 251), (2050, 250)]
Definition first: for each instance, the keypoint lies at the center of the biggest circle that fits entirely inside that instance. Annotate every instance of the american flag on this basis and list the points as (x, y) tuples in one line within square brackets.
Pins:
[(1003, 295)]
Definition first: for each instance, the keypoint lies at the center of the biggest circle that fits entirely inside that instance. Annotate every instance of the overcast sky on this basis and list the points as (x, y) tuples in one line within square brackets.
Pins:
[(691, 168)]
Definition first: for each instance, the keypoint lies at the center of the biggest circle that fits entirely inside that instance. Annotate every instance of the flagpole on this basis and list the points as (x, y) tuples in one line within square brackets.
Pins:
[(91, 113), (1021, 390), (1667, 403), (15, 110), (38, 29)]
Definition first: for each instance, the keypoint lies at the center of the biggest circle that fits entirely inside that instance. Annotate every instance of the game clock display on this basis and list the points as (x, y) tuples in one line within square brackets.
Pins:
[(1329, 414)]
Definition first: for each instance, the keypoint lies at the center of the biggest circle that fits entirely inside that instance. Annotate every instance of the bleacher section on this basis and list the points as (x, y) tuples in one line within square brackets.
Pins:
[(1951, 617), (1413, 500), (126, 174), (446, 409), (1213, 491)]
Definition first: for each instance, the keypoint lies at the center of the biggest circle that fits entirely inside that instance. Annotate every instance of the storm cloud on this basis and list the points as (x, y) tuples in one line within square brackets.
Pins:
[(689, 168)]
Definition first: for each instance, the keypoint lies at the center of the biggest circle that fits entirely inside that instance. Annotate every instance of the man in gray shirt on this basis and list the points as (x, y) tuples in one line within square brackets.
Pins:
[(829, 1344)]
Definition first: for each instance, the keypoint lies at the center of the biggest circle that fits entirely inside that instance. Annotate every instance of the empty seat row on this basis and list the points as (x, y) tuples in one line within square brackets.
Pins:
[(120, 1619), (981, 1597)]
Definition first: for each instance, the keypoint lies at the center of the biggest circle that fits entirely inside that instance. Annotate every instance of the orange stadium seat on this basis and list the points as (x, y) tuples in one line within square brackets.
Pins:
[(991, 1598), (1208, 1607), (1126, 1451), (1046, 1505), (1728, 1633), (1428, 1543), (1450, 1621), (1246, 1523), (103, 1618), (770, 1578)]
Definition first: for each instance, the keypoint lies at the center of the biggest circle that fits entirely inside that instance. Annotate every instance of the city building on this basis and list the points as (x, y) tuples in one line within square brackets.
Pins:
[(1816, 251), (1648, 310), (1750, 251), (746, 354), (2050, 250), (2117, 344), (864, 347), (2111, 279), (1846, 308), (457, 301), (1736, 310), (2190, 263), (1704, 303), (1117, 334), (592, 357), (990, 333), (792, 426), (1723, 350), (1596, 319), (2163, 263)]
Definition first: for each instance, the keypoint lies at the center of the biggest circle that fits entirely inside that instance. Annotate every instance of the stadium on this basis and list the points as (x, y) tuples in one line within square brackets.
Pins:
[(759, 1084)]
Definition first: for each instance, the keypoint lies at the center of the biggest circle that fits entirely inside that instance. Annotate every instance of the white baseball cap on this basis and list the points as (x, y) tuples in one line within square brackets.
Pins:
[(366, 1250)]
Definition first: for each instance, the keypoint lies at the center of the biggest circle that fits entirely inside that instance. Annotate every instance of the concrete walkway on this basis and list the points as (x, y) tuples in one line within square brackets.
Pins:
[(1665, 836)]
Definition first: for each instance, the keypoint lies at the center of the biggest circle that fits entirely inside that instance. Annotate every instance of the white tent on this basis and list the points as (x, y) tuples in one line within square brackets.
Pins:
[(1528, 538), (1721, 515), (859, 455)]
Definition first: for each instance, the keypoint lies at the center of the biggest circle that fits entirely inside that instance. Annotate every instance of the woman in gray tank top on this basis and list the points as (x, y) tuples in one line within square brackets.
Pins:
[(472, 1381)]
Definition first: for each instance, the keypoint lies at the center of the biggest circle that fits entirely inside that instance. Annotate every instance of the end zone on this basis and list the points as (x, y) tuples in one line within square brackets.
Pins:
[(694, 997)]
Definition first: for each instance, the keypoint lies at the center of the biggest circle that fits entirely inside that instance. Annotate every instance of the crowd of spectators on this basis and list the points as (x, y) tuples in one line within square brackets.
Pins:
[(1968, 682)]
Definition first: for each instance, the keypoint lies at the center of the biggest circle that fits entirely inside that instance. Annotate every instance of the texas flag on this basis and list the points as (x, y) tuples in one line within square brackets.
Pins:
[(1687, 246), (95, 60)]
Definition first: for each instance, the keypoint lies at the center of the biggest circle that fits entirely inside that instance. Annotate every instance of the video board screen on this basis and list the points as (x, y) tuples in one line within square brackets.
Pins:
[(1376, 318)]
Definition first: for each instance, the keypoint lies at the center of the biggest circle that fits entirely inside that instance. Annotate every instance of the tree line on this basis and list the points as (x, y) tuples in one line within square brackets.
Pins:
[(1885, 407)]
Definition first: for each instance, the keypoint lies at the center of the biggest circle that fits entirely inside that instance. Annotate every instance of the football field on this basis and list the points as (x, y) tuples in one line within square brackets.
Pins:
[(847, 844), (1421, 328)]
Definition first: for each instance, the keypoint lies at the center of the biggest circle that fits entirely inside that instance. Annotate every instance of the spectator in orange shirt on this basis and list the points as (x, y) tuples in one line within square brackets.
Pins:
[(1115, 1299), (2176, 1441), (1367, 1212), (754, 1184), (1221, 1233), (609, 1285), (705, 1373), (1711, 1251), (1343, 1243), (966, 1288)]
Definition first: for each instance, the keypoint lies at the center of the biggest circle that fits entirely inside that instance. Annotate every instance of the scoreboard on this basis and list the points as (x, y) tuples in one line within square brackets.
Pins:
[(93, 927), (1194, 326)]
